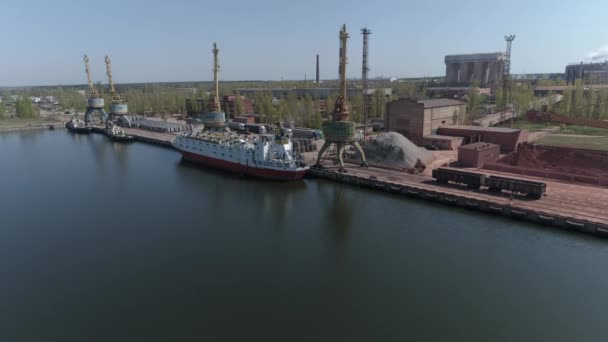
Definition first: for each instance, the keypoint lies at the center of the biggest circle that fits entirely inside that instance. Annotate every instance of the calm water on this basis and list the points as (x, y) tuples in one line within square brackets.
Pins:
[(107, 242)]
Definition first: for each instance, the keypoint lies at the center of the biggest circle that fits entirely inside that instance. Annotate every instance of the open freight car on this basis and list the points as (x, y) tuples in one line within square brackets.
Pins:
[(493, 183), (471, 179), (529, 188)]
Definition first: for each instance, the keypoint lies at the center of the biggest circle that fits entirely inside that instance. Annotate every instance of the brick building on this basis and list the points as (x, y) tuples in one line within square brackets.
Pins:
[(476, 154)]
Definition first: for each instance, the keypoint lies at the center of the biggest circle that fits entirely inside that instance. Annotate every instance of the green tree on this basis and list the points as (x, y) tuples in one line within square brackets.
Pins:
[(238, 104), (25, 109), (317, 120), (603, 104), (2, 111), (473, 98), (578, 99)]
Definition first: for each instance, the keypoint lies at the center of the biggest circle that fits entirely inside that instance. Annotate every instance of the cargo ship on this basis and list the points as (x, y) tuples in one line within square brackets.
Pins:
[(264, 156)]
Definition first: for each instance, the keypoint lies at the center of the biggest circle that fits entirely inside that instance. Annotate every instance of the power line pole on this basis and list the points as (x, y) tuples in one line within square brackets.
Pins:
[(365, 69)]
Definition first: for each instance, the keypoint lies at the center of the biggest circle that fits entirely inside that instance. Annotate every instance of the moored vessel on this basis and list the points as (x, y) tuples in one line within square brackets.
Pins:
[(265, 156), (77, 126), (118, 134)]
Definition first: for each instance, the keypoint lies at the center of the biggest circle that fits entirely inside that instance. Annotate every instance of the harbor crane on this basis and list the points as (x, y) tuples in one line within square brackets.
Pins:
[(118, 107), (95, 103), (339, 131)]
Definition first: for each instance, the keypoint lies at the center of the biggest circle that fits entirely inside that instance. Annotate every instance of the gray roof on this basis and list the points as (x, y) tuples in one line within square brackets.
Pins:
[(434, 103), (475, 57), (479, 146), (480, 128)]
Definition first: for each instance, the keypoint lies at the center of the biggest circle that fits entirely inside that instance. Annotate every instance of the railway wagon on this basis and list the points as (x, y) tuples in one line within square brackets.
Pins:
[(471, 179), (529, 188)]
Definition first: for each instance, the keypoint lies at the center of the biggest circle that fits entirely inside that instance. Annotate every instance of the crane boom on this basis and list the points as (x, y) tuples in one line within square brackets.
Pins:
[(115, 95), (92, 91)]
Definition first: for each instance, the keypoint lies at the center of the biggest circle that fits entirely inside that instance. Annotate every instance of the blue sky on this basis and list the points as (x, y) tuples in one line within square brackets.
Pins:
[(156, 41)]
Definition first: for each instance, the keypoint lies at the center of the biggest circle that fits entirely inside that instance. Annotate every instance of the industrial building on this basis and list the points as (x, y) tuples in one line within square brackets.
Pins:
[(590, 73), (229, 105), (477, 154), (486, 68), (418, 118), (506, 138), (315, 93)]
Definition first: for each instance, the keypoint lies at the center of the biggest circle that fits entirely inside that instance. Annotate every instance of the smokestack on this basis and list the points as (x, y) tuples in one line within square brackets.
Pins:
[(317, 68)]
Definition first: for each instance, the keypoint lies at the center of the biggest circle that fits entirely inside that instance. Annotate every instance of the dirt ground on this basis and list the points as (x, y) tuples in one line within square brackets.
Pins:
[(564, 160)]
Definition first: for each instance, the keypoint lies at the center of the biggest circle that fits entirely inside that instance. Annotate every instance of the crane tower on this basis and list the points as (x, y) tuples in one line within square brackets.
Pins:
[(339, 131), (95, 103), (215, 118), (365, 69)]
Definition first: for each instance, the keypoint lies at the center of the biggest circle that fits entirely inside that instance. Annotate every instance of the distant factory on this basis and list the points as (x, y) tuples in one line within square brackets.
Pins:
[(315, 93), (590, 73), (486, 68)]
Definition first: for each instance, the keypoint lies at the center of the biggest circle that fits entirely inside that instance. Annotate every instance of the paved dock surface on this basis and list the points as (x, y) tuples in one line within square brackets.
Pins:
[(567, 204)]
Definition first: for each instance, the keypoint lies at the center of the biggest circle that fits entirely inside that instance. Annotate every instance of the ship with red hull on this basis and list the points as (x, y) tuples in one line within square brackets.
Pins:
[(265, 156)]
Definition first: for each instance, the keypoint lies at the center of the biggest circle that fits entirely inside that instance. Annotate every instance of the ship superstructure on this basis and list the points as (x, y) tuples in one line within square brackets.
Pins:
[(266, 156)]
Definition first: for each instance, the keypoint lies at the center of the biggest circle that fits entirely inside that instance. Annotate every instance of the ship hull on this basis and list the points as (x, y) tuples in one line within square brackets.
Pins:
[(266, 173), (81, 130)]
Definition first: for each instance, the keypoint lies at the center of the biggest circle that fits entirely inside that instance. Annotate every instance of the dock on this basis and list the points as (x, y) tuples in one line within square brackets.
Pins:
[(568, 206), (158, 138)]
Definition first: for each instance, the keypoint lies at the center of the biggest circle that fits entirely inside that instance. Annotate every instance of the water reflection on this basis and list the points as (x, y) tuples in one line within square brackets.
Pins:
[(274, 203), (340, 205)]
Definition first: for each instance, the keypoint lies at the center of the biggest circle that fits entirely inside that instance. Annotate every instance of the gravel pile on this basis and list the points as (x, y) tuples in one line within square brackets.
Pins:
[(393, 150)]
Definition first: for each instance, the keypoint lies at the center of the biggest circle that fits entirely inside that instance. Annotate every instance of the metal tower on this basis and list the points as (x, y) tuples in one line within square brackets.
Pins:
[(95, 103), (339, 131), (118, 106), (365, 69), (507, 72)]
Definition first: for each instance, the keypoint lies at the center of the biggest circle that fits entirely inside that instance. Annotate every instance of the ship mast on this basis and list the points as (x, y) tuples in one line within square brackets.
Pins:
[(92, 91), (216, 70), (115, 94)]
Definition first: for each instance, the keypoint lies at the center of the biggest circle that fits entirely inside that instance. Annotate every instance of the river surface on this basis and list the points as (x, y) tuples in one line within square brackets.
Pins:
[(101, 241)]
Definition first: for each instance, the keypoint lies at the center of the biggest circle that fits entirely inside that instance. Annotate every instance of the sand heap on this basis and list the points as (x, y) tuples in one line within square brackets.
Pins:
[(393, 150)]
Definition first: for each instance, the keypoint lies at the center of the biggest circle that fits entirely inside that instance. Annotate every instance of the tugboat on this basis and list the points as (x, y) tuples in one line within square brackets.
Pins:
[(77, 126), (117, 134)]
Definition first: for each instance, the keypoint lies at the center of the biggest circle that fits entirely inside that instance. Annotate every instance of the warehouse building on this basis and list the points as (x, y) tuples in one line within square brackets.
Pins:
[(485, 68), (418, 118)]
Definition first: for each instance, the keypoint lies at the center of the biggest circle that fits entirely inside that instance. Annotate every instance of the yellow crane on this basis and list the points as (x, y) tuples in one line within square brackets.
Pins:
[(95, 103), (118, 106), (92, 90), (115, 95)]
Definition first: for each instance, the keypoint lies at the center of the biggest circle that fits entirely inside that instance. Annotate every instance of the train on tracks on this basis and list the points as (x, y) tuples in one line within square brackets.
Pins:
[(496, 184)]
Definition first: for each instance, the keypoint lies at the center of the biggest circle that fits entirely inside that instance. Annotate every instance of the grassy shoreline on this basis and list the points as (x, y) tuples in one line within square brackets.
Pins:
[(17, 124)]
